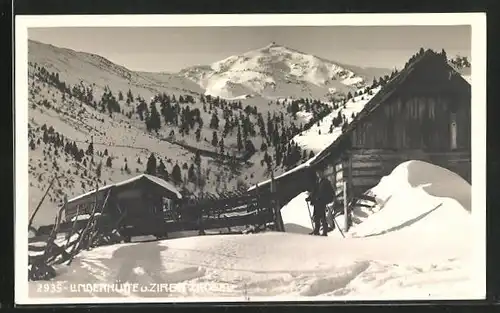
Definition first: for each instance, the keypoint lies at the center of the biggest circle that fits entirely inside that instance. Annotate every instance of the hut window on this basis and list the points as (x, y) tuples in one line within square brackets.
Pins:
[(453, 131)]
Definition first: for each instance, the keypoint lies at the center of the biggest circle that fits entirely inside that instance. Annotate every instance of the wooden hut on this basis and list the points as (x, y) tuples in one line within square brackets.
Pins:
[(422, 113), (137, 203)]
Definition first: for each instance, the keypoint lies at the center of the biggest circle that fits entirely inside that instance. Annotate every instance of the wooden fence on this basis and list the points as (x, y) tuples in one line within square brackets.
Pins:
[(256, 211)]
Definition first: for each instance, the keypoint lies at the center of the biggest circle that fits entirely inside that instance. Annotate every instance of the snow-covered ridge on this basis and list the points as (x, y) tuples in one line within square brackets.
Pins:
[(277, 71), (97, 71)]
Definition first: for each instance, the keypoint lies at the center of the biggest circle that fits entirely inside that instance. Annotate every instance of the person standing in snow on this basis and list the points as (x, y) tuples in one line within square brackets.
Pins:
[(321, 195)]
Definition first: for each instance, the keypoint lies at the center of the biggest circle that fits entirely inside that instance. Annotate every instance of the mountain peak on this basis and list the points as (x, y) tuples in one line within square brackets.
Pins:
[(272, 44), (275, 70)]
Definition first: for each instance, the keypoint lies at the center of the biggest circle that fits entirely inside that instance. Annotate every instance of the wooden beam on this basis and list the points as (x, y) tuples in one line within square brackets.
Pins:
[(349, 175), (84, 232), (93, 232), (41, 201), (345, 208)]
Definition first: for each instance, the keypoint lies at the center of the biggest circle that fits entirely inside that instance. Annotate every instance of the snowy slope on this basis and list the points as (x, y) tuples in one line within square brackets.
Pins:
[(277, 71), (322, 134), (124, 140)]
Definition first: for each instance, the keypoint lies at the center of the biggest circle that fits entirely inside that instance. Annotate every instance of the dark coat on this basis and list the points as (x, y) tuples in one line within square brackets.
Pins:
[(322, 193)]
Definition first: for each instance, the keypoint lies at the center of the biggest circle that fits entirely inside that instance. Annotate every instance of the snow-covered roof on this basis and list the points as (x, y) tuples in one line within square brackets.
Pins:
[(467, 78), (293, 170), (158, 181)]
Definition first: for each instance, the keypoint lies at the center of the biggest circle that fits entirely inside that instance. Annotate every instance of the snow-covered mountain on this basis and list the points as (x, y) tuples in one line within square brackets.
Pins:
[(276, 71)]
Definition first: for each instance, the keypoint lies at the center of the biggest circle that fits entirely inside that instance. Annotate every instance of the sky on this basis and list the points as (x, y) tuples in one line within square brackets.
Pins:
[(170, 49)]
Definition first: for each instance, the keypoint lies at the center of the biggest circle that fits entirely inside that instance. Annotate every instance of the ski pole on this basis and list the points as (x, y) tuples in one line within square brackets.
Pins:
[(310, 215), (336, 224)]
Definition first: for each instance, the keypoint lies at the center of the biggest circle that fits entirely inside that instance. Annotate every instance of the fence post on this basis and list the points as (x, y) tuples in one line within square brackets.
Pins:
[(277, 212), (346, 225)]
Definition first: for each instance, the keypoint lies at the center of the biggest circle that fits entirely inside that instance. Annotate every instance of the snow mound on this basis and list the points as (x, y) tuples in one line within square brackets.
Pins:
[(296, 217), (419, 198)]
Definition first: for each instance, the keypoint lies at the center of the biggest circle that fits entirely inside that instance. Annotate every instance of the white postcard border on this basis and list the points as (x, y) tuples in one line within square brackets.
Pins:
[(478, 124)]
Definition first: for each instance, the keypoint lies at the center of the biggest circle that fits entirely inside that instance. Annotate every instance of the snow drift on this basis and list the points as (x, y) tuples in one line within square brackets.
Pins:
[(418, 191), (417, 197)]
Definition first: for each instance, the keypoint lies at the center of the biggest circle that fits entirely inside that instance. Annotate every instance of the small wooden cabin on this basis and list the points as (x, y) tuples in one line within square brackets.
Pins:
[(140, 200), (422, 113)]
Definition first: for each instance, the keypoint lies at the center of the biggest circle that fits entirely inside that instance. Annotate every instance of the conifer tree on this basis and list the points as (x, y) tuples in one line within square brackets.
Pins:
[(191, 174), (214, 122), (197, 158), (198, 134), (161, 170), (153, 121), (443, 55), (151, 165), (109, 162), (263, 146), (215, 139), (239, 140), (130, 97), (98, 170), (176, 174), (249, 147), (90, 149), (221, 145)]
